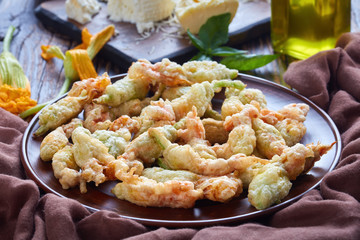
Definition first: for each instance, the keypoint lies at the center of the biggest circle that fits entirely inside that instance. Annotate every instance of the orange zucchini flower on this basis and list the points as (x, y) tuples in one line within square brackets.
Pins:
[(78, 61), (14, 85)]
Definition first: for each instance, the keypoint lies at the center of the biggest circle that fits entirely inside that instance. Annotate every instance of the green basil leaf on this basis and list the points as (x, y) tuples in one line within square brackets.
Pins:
[(246, 63), (214, 32), (226, 51), (195, 41), (201, 57)]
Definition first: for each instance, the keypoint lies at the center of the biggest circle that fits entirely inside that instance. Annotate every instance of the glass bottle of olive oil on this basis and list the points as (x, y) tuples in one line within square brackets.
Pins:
[(301, 28)]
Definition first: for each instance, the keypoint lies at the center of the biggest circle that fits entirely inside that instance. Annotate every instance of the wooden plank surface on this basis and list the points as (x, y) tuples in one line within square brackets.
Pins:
[(47, 77)]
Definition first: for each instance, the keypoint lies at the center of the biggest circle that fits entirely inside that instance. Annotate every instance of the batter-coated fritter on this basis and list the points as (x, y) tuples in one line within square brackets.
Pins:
[(121, 167), (141, 75), (271, 183), (70, 127), (271, 117), (133, 107), (149, 193), (69, 107), (192, 132), (130, 108), (184, 157), (145, 148), (235, 99), (200, 71), (170, 93), (292, 127), (66, 170), (165, 72), (299, 159), (242, 137), (230, 106), (97, 117), (247, 168), (116, 142), (269, 140), (296, 111), (94, 87), (91, 155), (52, 143), (190, 128), (215, 131), (200, 95), (249, 95), (124, 90), (291, 130), (125, 122), (157, 114), (60, 112), (162, 175), (220, 189), (269, 186)]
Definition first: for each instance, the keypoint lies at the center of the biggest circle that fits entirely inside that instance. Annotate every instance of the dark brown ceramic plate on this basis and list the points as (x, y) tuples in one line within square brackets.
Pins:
[(319, 128)]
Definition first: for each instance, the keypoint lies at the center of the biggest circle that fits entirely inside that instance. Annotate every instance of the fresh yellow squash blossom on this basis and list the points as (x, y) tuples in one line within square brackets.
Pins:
[(14, 85), (77, 61)]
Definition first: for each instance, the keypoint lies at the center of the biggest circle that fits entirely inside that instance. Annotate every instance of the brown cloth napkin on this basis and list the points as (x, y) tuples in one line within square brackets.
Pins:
[(331, 79)]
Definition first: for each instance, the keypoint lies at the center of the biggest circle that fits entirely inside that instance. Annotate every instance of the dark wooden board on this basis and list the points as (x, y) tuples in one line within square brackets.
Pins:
[(251, 21)]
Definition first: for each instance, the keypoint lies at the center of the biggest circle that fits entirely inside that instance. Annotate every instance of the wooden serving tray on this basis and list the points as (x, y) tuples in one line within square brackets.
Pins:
[(251, 20)]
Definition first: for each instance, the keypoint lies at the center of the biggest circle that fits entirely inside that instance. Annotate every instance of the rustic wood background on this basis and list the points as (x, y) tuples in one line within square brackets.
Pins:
[(47, 77)]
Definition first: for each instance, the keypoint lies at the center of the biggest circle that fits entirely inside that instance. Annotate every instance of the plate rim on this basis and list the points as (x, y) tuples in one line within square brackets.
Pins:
[(202, 222)]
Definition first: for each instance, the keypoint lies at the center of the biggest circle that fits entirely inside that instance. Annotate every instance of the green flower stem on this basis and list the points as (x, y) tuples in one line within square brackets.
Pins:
[(32, 110), (8, 38), (229, 84), (159, 138), (65, 87)]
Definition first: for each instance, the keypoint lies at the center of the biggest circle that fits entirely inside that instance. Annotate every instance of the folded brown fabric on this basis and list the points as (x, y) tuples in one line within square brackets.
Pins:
[(331, 79), (321, 76)]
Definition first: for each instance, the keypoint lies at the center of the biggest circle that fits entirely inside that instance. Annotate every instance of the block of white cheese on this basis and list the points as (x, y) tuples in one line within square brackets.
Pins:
[(81, 10), (192, 14), (141, 12)]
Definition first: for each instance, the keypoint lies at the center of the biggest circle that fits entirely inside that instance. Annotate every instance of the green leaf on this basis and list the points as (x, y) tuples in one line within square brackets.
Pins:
[(214, 32), (246, 63), (226, 51), (201, 57), (195, 41)]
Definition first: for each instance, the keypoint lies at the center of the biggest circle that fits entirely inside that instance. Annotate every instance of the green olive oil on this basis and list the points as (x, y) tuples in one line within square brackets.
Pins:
[(302, 28)]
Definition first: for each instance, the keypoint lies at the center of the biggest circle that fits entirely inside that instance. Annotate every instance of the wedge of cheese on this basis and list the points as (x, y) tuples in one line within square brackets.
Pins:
[(141, 12), (192, 14), (81, 10)]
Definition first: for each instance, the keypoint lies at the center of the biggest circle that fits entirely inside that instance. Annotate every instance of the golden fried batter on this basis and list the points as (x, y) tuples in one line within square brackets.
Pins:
[(52, 143), (220, 189), (161, 151), (66, 170), (269, 186), (91, 155), (149, 193)]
